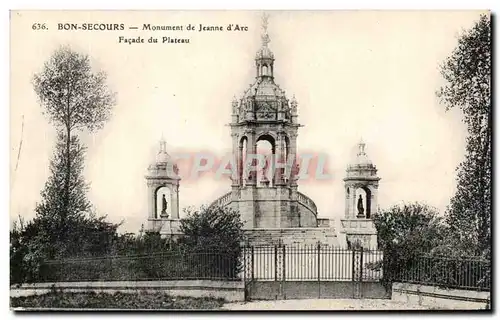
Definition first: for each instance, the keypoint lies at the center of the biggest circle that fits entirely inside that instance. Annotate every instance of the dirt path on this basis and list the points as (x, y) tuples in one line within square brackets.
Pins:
[(324, 304)]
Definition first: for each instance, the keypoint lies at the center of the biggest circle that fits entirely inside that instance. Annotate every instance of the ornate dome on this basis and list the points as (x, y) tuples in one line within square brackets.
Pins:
[(163, 165), (264, 87), (264, 53), (362, 167), (362, 158), (264, 100), (163, 156)]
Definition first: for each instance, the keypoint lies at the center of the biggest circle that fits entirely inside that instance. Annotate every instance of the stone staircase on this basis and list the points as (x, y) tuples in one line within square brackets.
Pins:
[(291, 236)]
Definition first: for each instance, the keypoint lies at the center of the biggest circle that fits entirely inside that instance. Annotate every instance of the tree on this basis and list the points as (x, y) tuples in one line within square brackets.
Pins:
[(213, 236), (405, 233), (52, 206), (212, 227), (74, 98), (52, 234), (467, 72)]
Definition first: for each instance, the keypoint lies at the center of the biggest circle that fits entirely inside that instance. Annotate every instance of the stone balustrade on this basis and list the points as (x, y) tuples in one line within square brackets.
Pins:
[(222, 200), (323, 222), (307, 202)]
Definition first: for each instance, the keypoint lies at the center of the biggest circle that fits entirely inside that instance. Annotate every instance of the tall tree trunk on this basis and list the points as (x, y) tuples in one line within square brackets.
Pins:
[(65, 213), (68, 170)]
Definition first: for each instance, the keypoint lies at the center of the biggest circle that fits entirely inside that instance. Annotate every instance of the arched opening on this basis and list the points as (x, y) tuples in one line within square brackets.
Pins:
[(266, 146), (264, 70), (363, 202), (163, 202), (242, 157)]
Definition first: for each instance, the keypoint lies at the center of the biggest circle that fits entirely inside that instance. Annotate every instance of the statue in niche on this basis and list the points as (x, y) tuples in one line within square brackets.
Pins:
[(265, 170), (164, 207), (361, 210)]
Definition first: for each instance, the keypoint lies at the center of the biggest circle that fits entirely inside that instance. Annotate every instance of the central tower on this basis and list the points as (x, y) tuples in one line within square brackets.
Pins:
[(264, 186)]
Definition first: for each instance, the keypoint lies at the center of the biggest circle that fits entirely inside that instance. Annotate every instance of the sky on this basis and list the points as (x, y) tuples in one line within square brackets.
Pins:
[(355, 74)]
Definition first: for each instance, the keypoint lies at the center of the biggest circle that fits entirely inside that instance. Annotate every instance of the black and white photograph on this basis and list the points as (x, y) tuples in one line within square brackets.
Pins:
[(250, 160)]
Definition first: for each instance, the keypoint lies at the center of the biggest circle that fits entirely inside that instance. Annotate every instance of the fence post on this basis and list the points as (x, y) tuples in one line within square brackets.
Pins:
[(353, 275), (284, 264), (319, 269), (245, 266), (275, 262), (253, 263), (283, 277), (361, 253)]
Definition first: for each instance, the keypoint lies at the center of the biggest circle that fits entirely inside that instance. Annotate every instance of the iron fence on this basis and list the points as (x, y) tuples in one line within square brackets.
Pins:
[(156, 266), (454, 273), (311, 263), (274, 263)]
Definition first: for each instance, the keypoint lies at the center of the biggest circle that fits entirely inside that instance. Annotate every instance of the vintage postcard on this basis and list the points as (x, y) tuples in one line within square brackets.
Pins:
[(250, 160)]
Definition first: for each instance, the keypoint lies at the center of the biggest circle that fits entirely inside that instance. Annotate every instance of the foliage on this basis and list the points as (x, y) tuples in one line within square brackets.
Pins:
[(117, 300), (52, 206), (212, 227), (467, 72), (216, 229), (165, 265), (55, 233), (38, 240), (404, 233), (411, 227), (144, 243), (74, 98), (65, 225)]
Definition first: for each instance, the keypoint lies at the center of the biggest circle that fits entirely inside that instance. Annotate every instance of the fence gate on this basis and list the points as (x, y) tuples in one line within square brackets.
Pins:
[(309, 272)]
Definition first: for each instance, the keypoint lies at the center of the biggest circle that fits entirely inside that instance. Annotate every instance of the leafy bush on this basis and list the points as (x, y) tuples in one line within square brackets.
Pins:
[(404, 233), (214, 235)]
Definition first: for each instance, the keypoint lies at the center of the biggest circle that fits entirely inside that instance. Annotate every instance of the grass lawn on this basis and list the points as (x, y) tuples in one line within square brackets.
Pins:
[(117, 300)]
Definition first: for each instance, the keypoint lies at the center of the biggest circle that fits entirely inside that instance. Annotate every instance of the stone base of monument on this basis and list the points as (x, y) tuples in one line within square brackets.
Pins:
[(291, 236), (166, 227), (360, 230)]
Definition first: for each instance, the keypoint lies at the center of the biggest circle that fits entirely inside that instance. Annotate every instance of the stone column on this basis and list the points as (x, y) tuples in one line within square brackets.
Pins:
[(151, 200), (174, 191), (279, 159), (251, 151), (347, 201), (235, 155), (373, 204), (292, 154), (353, 203)]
